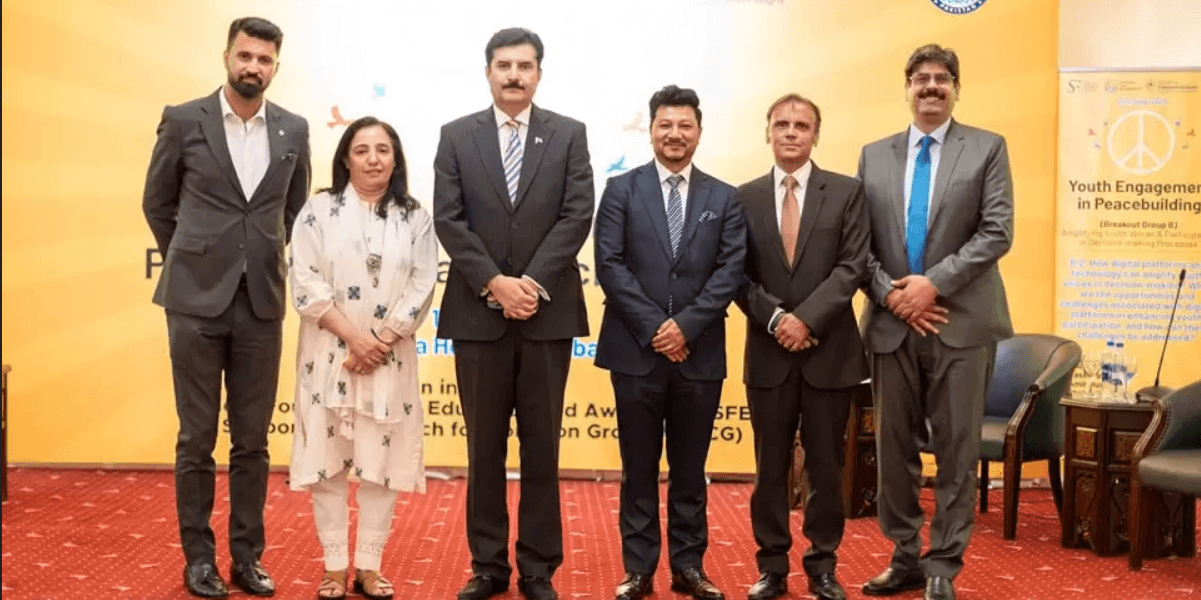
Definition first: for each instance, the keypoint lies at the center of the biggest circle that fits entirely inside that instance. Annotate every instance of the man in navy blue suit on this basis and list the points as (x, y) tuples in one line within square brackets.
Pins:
[(670, 244)]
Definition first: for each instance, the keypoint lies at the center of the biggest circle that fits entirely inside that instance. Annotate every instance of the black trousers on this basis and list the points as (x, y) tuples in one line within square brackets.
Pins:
[(246, 350), (647, 408), (822, 417), (497, 379)]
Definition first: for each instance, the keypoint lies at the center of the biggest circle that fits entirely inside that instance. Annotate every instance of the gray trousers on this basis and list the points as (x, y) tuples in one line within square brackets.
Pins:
[(922, 380)]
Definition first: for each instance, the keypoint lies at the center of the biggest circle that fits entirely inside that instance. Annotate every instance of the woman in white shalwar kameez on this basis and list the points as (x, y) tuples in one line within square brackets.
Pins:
[(364, 263)]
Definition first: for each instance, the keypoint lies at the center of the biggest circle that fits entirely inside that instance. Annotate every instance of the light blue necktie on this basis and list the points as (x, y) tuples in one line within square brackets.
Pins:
[(513, 160), (919, 208)]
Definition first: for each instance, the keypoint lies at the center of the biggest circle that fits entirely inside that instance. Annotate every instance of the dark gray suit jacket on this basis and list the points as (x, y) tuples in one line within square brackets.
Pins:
[(539, 235), (828, 265), (201, 219), (970, 228), (636, 270)]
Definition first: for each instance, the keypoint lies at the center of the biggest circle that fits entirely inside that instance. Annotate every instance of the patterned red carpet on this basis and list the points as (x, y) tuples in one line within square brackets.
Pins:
[(112, 534)]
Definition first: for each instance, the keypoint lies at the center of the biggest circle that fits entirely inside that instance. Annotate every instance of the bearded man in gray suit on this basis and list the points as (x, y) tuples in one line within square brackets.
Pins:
[(227, 177), (940, 204)]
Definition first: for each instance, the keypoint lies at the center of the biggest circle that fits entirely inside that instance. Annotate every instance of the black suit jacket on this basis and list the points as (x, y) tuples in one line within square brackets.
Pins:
[(539, 235), (205, 227), (829, 263), (636, 270)]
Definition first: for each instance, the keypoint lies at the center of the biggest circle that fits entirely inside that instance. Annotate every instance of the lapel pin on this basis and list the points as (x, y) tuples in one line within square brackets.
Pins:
[(537, 140), (281, 133)]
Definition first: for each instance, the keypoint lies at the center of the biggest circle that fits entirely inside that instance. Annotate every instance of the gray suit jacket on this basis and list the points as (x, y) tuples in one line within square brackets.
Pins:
[(970, 228), (828, 266), (539, 235), (203, 223)]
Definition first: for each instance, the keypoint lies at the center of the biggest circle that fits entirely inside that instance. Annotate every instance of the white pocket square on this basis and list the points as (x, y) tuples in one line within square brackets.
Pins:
[(707, 216)]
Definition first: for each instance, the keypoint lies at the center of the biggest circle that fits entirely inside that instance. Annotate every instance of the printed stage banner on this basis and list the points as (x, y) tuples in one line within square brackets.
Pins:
[(1129, 224)]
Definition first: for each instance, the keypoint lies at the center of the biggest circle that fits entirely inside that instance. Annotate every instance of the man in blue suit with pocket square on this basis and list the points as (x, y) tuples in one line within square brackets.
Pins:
[(670, 244)]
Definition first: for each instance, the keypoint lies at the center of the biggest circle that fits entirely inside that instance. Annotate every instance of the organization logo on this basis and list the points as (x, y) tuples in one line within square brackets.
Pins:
[(1082, 85), (1141, 142), (958, 7)]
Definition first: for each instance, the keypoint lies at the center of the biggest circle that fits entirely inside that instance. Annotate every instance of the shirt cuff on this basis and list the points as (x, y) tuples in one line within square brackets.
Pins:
[(774, 322), (541, 290)]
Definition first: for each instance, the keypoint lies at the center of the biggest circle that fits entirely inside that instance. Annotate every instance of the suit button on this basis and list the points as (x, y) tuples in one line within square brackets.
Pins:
[(675, 276), (513, 226), (241, 246)]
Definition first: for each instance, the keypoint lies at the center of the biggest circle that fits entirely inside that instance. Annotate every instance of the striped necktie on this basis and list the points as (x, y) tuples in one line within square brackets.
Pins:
[(513, 160), (675, 213)]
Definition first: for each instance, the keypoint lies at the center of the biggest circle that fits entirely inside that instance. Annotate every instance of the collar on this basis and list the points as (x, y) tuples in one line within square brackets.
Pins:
[(801, 175), (939, 134), (522, 118), (226, 110), (664, 172)]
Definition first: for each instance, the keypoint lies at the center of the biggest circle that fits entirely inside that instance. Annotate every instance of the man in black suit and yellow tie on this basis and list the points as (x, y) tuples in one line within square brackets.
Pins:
[(513, 202), (227, 177), (670, 243), (940, 205), (807, 253)]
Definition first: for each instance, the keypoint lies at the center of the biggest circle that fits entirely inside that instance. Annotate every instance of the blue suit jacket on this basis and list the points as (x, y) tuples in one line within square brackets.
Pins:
[(636, 270)]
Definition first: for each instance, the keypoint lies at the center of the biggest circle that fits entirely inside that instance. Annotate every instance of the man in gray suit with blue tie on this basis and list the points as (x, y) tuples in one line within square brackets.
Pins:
[(227, 177), (670, 244), (940, 204)]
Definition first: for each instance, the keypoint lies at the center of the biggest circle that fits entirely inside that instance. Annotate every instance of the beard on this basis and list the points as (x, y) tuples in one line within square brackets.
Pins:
[(249, 87)]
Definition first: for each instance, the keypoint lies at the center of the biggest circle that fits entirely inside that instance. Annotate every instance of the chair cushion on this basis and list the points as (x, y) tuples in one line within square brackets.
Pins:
[(1173, 471), (992, 438)]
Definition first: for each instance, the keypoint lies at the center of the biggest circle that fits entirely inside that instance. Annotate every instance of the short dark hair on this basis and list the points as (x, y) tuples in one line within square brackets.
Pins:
[(676, 96), (513, 36), (935, 54), (255, 27), (398, 184), (794, 97)]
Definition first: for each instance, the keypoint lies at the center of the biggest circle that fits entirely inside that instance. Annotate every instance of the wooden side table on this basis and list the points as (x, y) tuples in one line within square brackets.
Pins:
[(1098, 447), (859, 475)]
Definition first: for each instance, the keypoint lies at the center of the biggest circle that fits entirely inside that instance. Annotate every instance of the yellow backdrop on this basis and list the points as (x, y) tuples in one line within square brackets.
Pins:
[(85, 82)]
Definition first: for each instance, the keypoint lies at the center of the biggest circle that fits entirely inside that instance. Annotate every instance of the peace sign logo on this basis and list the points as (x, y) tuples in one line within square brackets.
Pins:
[(1141, 142)]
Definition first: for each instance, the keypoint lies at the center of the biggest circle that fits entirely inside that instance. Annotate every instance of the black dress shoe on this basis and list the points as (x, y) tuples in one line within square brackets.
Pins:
[(202, 580), (894, 581), (482, 586), (939, 588), (634, 586), (770, 585), (252, 578), (826, 587), (537, 588), (695, 583)]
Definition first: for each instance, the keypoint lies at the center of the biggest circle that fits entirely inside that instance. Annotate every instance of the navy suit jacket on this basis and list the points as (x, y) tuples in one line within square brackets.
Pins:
[(638, 274)]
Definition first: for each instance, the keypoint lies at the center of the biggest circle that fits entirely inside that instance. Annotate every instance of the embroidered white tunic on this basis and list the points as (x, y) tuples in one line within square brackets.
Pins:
[(380, 273)]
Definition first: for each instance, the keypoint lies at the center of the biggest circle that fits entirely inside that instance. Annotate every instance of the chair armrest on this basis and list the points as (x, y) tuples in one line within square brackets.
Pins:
[(1182, 422)]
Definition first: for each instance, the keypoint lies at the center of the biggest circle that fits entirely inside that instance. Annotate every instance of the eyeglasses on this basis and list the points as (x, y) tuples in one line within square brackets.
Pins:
[(924, 79)]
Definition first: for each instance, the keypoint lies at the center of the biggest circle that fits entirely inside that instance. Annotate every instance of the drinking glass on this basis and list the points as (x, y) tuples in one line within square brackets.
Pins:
[(1131, 368), (1091, 362)]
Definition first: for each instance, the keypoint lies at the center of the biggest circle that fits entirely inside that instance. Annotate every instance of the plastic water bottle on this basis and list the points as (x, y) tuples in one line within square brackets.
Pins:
[(1118, 373), (1107, 360)]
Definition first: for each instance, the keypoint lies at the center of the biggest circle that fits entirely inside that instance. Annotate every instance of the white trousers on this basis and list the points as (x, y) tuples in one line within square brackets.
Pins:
[(331, 514)]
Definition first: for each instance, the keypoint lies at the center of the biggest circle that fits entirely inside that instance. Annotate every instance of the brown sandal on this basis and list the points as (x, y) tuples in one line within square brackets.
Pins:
[(372, 585), (333, 585)]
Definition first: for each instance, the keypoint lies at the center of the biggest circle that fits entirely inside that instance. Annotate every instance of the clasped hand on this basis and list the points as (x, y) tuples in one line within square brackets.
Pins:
[(518, 297), (669, 341), (367, 353), (912, 300), (793, 334)]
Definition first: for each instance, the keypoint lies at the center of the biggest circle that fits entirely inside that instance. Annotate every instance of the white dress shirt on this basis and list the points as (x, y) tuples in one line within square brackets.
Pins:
[(664, 173), (503, 133), (247, 141), (802, 181), (915, 148)]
